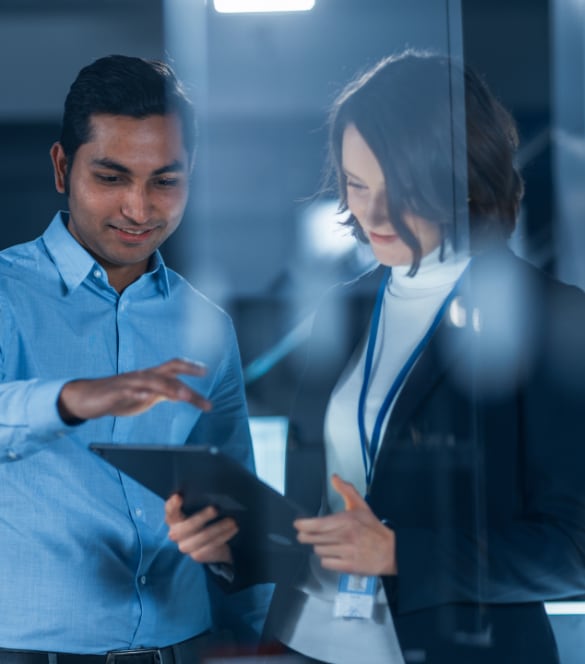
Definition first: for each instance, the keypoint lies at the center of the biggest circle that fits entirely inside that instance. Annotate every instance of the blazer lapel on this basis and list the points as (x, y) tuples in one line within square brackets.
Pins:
[(352, 306), (446, 346), (305, 446), (450, 343)]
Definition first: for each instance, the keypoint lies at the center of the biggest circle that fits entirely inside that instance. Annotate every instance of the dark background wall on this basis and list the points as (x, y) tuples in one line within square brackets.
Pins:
[(263, 85), (268, 81)]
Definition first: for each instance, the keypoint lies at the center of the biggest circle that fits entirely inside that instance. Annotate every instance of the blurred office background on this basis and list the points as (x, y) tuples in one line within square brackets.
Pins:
[(255, 237)]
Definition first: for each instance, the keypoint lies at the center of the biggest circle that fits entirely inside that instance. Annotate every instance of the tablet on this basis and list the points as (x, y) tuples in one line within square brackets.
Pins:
[(204, 476)]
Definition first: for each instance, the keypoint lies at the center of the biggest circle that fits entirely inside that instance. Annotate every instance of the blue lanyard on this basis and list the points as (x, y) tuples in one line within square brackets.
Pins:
[(369, 451)]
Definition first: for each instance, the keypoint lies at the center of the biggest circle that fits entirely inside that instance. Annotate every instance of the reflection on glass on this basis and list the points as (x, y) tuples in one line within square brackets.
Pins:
[(473, 474)]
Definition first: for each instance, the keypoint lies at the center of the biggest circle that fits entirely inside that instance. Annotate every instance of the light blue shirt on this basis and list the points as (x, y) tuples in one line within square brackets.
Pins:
[(85, 562)]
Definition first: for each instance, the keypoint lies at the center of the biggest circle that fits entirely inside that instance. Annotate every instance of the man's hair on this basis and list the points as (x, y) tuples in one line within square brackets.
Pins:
[(127, 86), (403, 109)]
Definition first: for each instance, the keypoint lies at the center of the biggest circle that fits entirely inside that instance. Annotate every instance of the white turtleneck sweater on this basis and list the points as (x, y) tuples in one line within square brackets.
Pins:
[(409, 306)]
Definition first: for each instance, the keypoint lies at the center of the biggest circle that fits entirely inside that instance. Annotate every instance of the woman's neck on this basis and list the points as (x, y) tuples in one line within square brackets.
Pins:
[(433, 273)]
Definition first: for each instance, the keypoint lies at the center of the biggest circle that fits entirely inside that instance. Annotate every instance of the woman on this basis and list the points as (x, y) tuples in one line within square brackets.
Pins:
[(447, 395)]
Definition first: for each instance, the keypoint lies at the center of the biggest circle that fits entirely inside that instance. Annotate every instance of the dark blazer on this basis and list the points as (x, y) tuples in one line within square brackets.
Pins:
[(482, 468)]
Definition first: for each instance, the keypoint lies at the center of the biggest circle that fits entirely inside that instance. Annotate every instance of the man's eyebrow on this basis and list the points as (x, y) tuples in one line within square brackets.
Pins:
[(173, 167), (112, 165)]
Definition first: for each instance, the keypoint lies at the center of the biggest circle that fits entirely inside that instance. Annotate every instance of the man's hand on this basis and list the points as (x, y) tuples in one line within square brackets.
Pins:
[(204, 543), (354, 541), (130, 393)]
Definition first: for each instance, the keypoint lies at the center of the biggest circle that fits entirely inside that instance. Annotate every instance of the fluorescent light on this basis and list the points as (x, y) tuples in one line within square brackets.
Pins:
[(565, 608), (249, 6)]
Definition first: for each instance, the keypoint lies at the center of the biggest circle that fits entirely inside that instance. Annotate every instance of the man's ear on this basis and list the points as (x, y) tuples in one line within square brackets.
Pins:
[(59, 167)]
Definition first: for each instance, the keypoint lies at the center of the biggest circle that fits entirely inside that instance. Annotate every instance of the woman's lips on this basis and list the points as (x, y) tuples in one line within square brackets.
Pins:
[(377, 238)]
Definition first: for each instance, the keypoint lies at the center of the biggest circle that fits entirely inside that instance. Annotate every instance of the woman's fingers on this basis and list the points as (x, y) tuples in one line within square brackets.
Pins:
[(351, 497), (354, 542)]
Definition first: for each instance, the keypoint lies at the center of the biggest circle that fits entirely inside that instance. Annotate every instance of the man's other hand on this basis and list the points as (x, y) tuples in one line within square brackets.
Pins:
[(195, 536), (130, 393)]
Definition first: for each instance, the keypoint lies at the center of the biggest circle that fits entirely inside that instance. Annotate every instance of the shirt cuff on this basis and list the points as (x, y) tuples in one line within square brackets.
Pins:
[(41, 409)]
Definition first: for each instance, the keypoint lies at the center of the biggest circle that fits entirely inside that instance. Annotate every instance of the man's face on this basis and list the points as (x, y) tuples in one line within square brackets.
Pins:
[(127, 189)]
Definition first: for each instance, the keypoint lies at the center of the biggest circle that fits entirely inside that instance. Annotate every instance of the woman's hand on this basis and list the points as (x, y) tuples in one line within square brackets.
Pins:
[(354, 541), (194, 537)]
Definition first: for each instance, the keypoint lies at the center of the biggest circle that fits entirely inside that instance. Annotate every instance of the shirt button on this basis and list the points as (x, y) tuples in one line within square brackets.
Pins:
[(12, 455), (138, 512), (97, 274), (143, 580)]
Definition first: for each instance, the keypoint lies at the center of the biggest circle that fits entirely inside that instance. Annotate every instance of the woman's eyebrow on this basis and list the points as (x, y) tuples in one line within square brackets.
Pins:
[(350, 174)]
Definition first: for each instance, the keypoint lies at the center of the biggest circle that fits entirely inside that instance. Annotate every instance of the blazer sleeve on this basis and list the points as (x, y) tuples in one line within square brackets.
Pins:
[(531, 549)]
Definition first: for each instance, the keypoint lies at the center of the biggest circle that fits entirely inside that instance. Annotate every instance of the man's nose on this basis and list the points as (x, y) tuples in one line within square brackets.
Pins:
[(136, 205)]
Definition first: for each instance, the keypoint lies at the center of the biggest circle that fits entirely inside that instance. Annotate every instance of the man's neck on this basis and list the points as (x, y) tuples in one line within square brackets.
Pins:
[(120, 277)]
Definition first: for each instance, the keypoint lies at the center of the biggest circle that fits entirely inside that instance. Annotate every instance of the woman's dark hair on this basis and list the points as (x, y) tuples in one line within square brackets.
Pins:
[(404, 109), (123, 85)]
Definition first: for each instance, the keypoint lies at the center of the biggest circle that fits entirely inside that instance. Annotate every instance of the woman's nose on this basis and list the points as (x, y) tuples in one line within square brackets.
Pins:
[(377, 211)]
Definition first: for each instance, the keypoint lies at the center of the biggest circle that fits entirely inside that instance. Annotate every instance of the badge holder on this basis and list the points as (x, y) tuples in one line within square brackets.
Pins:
[(355, 597)]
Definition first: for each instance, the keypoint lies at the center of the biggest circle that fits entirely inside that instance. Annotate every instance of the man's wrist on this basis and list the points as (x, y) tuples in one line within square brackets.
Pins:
[(64, 413)]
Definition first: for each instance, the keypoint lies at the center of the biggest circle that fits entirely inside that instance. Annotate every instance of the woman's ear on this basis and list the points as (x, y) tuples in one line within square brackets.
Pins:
[(59, 167)]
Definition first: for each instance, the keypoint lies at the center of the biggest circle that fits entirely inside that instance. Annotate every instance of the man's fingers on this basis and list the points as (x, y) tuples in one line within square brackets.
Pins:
[(150, 387), (186, 527), (213, 554), (212, 537), (168, 386), (130, 393), (178, 390), (205, 544), (173, 512), (179, 366), (195, 399), (172, 389)]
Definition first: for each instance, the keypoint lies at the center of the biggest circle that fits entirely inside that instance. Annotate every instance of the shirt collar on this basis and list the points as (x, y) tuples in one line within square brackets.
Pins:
[(74, 263), (159, 272)]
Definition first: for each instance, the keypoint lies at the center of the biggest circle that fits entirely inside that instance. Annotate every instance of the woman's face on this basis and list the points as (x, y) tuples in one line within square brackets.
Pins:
[(367, 201)]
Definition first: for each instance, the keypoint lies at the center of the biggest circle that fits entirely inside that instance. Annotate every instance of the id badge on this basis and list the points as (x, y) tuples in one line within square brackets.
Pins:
[(355, 596)]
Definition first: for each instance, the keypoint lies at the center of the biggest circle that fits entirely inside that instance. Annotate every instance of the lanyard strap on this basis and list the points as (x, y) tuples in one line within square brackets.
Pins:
[(370, 450)]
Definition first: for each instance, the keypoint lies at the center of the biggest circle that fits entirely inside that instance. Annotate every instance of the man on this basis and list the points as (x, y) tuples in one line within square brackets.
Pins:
[(92, 325)]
